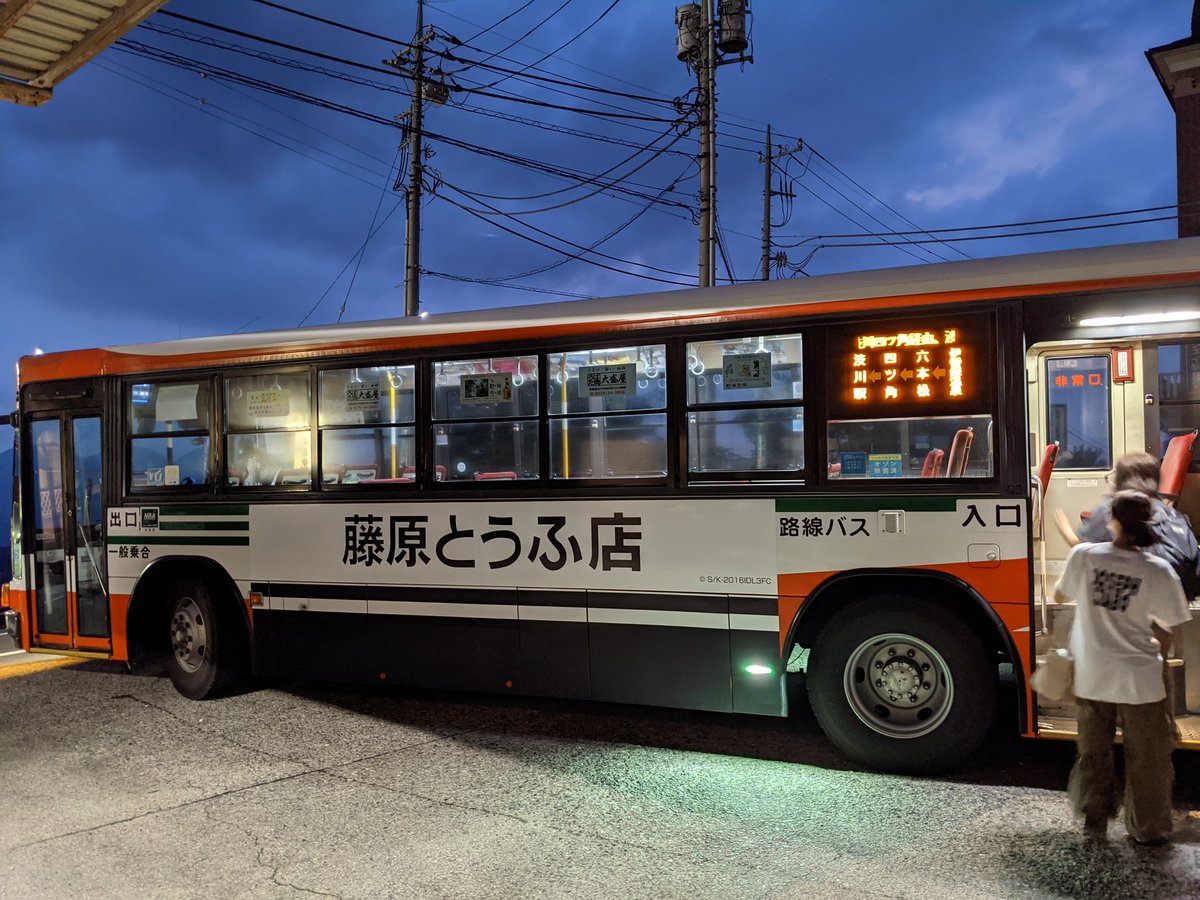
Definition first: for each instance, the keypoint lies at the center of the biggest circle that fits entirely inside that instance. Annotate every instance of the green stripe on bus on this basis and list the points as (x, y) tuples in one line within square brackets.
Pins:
[(861, 504), (208, 541), (206, 509), (182, 525)]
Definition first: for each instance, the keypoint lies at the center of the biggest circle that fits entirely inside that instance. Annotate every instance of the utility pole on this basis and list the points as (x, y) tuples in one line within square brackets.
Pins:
[(412, 238), (767, 159), (700, 36), (706, 80)]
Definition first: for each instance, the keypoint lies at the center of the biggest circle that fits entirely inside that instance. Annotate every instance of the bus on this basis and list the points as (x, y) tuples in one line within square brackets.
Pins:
[(672, 499)]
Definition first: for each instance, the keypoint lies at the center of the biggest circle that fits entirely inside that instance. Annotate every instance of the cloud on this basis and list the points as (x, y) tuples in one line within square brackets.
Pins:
[(1020, 134)]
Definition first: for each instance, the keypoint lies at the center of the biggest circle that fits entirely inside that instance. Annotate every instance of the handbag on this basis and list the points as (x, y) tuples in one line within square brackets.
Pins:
[(1055, 676)]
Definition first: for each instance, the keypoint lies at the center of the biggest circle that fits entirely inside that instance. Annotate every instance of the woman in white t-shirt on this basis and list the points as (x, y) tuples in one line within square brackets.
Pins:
[(1127, 600)]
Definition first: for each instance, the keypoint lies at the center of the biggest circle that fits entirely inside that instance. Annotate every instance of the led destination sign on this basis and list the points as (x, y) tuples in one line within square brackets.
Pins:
[(909, 366)]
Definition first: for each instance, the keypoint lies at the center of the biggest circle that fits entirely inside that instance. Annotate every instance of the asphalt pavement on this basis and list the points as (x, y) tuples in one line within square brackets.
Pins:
[(113, 785)]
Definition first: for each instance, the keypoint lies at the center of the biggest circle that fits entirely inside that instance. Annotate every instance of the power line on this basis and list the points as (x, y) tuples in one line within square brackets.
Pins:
[(603, 186), (513, 287), (370, 231), (213, 71), (1015, 234), (494, 224), (349, 262), (207, 107), (971, 228), (394, 72), (563, 46)]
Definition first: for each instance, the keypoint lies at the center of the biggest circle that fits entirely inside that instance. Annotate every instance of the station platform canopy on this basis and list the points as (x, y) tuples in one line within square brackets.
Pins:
[(44, 41)]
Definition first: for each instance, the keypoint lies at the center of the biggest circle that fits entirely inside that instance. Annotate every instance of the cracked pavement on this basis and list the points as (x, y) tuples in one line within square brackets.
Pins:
[(113, 785)]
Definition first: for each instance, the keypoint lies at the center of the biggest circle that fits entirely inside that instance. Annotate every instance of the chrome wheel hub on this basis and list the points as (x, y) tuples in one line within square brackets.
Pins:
[(898, 685), (189, 635)]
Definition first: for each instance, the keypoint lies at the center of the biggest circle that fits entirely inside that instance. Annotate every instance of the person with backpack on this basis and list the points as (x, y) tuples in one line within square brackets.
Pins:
[(1127, 600), (1176, 540)]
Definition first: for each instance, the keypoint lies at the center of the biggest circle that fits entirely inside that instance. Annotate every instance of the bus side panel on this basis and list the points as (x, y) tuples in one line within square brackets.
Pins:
[(661, 649), (554, 654)]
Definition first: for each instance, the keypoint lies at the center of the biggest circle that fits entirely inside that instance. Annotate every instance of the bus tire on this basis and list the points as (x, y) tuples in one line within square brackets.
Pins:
[(202, 647), (901, 684)]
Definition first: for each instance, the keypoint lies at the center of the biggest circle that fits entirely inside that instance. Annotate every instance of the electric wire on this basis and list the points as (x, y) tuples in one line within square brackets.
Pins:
[(1025, 224), (204, 106), (591, 262), (396, 72), (349, 262), (370, 230), (561, 47)]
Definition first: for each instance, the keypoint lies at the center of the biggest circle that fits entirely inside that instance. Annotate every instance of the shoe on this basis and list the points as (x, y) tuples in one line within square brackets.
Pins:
[(1095, 826), (1155, 841)]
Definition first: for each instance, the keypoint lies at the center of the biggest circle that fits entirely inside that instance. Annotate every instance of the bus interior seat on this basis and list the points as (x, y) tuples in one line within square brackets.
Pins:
[(1175, 466), (331, 475), (1046, 468), (933, 463), (495, 476), (960, 450), (236, 477), (292, 476)]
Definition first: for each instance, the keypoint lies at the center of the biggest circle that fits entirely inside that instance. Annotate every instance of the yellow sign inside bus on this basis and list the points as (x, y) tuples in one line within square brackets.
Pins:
[(909, 366)]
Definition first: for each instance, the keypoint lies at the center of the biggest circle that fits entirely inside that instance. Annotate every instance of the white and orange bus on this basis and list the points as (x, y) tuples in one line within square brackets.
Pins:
[(671, 499)]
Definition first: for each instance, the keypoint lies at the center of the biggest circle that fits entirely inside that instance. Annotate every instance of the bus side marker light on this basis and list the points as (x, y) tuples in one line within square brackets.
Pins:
[(256, 598), (756, 669)]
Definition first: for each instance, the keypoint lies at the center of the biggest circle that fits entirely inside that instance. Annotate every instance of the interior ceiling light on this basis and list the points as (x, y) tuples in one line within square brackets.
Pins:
[(1141, 319)]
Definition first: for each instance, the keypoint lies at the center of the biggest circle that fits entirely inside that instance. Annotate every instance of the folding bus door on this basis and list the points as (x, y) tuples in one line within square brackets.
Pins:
[(70, 607)]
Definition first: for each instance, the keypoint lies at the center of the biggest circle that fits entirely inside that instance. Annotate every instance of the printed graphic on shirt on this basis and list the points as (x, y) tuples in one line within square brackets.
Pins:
[(1112, 590)]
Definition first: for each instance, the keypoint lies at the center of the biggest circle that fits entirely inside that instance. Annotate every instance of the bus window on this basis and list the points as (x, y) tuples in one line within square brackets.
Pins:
[(168, 434), (365, 420), (1077, 407), (929, 447), (1178, 390), (745, 405), (601, 421), (267, 431), (485, 425)]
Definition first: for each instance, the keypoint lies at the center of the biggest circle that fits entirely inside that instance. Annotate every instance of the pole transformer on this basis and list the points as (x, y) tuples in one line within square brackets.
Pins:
[(701, 40)]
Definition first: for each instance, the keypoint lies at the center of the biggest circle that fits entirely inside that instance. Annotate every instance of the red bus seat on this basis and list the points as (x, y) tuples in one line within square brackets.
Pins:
[(960, 449), (495, 476), (1049, 458), (1175, 466), (933, 463)]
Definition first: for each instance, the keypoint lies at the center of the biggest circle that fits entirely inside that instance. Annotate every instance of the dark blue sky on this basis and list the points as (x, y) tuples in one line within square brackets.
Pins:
[(146, 202)]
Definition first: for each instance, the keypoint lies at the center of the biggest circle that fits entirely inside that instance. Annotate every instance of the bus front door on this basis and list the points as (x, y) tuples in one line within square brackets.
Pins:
[(70, 609)]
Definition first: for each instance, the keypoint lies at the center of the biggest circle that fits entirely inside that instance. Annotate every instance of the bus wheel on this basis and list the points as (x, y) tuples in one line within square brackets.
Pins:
[(901, 684), (201, 663)]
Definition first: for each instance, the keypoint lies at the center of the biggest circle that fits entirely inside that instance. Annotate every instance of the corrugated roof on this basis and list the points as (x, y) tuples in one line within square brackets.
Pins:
[(44, 41)]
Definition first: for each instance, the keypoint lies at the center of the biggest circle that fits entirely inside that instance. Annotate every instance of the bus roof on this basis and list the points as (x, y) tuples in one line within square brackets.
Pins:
[(1037, 274)]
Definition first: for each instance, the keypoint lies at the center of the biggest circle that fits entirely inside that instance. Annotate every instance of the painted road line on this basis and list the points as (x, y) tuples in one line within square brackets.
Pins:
[(21, 669)]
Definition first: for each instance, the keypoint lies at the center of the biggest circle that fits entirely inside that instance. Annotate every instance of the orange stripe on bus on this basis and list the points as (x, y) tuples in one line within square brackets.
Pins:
[(85, 363), (1005, 587)]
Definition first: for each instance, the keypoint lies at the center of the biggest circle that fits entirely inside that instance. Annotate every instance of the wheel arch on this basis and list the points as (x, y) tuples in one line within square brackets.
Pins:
[(822, 606), (150, 607)]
